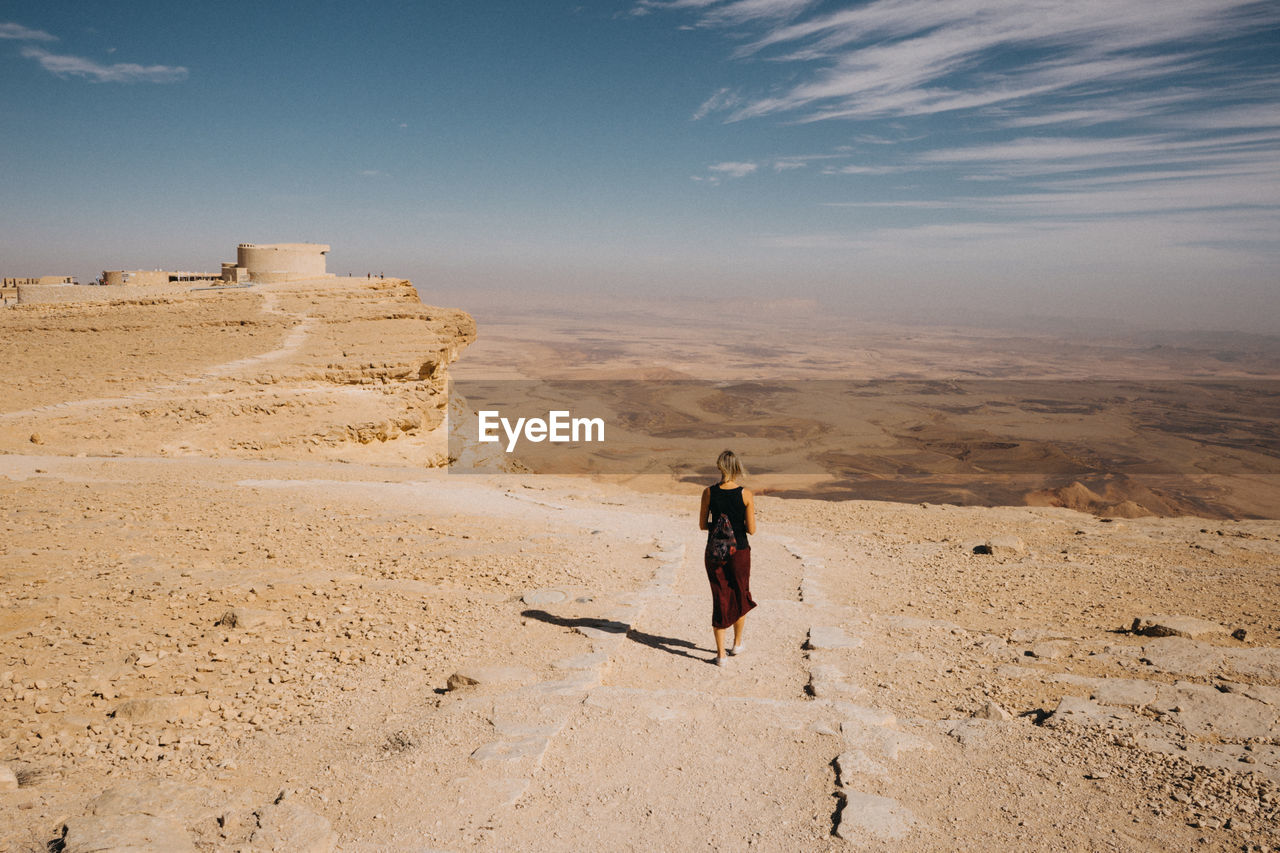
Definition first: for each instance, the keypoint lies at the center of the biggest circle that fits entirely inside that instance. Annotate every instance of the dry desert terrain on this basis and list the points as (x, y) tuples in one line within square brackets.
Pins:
[(244, 607)]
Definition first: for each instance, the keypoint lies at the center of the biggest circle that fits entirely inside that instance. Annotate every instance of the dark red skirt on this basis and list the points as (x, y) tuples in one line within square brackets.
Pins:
[(730, 587)]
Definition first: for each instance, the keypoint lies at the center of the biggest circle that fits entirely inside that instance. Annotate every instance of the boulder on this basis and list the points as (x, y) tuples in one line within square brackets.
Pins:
[(8, 779), (1177, 626)]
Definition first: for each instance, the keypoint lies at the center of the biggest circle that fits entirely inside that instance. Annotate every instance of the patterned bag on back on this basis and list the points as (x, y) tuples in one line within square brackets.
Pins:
[(721, 543)]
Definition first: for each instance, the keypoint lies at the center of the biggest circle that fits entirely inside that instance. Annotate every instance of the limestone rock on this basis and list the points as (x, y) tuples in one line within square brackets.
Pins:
[(1204, 711), (1006, 546), (512, 750), (1081, 711), (1130, 692), (823, 637), (854, 762), (865, 715), (8, 779), (289, 828), (160, 709), (127, 833), (185, 804), (247, 619), (538, 597), (1049, 650), (872, 816), (1177, 626), (1183, 657)]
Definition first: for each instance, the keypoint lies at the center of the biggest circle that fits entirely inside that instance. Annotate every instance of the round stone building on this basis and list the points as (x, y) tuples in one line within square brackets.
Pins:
[(282, 261)]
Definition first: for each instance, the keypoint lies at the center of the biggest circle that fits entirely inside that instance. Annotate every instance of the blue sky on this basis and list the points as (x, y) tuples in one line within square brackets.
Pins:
[(972, 159)]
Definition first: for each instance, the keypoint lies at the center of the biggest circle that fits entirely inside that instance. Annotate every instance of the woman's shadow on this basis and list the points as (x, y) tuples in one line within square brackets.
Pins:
[(653, 641)]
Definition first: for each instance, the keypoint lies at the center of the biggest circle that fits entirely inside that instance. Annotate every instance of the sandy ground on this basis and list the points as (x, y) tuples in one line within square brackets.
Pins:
[(273, 647)]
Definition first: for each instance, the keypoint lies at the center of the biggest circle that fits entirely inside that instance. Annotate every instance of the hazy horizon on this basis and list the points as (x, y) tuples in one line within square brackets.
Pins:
[(978, 161)]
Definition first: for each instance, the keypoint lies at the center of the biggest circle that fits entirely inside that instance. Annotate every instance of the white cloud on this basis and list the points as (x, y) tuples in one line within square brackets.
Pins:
[(121, 72), (21, 33), (733, 170)]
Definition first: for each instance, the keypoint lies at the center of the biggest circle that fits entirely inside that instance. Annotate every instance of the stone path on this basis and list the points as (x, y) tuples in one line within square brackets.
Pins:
[(778, 748)]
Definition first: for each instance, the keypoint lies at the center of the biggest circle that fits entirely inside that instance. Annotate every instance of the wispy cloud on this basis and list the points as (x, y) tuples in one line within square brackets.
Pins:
[(1068, 116), (918, 57), (64, 65), (21, 33), (720, 100), (729, 12)]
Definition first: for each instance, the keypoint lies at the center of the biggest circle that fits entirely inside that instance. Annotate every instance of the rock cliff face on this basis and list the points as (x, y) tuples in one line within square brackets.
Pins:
[(340, 368)]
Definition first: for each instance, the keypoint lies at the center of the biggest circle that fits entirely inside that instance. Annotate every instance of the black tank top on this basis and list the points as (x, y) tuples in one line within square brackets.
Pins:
[(729, 501)]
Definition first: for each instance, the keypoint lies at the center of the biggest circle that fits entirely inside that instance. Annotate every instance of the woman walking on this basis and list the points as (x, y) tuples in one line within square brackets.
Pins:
[(728, 559)]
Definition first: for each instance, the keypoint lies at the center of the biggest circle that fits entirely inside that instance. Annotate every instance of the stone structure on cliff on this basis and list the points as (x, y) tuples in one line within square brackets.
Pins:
[(254, 263)]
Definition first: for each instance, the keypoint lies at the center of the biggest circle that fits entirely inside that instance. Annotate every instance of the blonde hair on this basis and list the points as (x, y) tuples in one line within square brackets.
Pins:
[(730, 467)]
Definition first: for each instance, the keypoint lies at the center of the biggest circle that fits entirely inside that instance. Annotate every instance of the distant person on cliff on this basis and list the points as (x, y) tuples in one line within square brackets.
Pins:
[(728, 515)]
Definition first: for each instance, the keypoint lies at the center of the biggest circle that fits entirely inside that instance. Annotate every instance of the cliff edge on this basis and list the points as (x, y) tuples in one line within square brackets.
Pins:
[(346, 369)]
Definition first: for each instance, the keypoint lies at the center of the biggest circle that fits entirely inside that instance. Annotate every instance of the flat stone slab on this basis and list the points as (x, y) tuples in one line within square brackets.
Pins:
[(865, 715), (521, 719), (186, 804), (856, 762), (824, 637), (1259, 663), (1181, 656), (128, 833), (538, 597), (1129, 692), (870, 815), (1077, 709), (1177, 626), (290, 828), (1269, 695), (504, 792), (1050, 650), (586, 660), (512, 750), (1203, 710), (881, 742)]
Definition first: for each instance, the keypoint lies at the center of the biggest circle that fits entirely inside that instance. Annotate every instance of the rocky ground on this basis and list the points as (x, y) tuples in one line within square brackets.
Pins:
[(310, 650)]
